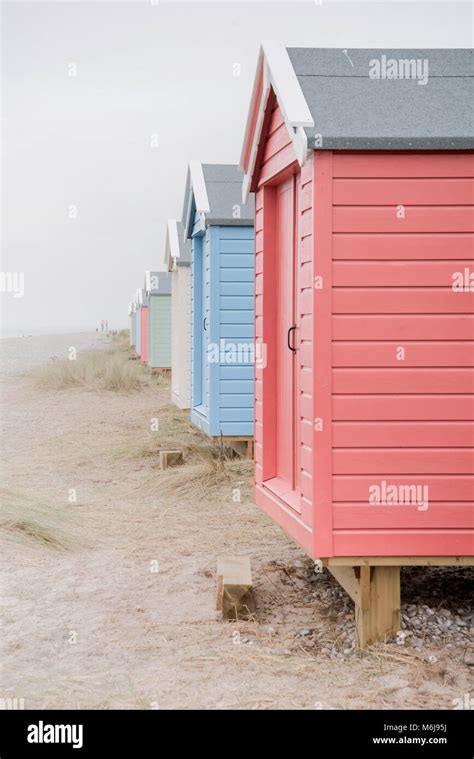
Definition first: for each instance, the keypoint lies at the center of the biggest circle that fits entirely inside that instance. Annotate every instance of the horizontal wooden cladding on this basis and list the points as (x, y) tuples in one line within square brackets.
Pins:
[(403, 407), (418, 192), (415, 542), (399, 327), (414, 246), (415, 219), (398, 273), (277, 163), (277, 141), (405, 461), (402, 434), (373, 516), (415, 353), (399, 300), (405, 165), (403, 380), (452, 487), (276, 120)]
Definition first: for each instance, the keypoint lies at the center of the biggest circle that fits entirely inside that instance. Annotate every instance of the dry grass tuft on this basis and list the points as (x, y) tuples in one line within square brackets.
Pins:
[(121, 339), (207, 469), (25, 520), (206, 466), (110, 369)]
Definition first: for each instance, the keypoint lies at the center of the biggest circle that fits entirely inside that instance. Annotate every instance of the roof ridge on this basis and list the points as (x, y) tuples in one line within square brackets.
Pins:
[(394, 78)]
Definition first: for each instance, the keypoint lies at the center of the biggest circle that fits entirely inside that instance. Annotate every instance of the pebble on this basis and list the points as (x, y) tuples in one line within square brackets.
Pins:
[(468, 658), (424, 618)]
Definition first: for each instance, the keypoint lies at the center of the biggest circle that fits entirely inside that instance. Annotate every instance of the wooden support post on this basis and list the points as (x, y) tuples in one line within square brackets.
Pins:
[(242, 445), (234, 587), (376, 594), (250, 450), (170, 458)]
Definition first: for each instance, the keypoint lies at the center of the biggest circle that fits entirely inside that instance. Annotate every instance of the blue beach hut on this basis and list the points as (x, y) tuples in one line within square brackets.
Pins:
[(220, 228)]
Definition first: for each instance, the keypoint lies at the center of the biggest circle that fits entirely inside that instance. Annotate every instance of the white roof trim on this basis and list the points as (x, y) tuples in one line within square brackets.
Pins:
[(172, 251), (198, 187), (279, 74), (197, 190), (286, 85), (147, 281)]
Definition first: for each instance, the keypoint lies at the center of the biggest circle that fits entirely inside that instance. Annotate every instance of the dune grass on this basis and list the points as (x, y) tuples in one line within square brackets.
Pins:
[(106, 369), (121, 339), (205, 473), (27, 520), (207, 466)]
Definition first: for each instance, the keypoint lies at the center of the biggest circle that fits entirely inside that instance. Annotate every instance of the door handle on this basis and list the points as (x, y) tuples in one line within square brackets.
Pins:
[(204, 324), (292, 329)]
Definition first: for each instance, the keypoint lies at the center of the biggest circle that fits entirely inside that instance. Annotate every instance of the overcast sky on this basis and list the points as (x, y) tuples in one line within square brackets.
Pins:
[(87, 86)]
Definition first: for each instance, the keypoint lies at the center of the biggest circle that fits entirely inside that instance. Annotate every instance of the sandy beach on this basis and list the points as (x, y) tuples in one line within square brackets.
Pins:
[(124, 616)]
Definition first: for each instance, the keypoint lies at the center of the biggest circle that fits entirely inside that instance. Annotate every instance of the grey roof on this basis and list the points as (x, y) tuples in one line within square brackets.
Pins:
[(224, 191), (160, 283), (353, 110), (184, 247)]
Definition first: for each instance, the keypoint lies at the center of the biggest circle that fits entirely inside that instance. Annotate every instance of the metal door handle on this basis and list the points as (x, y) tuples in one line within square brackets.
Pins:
[(292, 329), (204, 322)]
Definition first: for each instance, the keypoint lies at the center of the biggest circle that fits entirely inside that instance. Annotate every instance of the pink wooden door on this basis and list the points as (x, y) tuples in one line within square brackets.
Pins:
[(285, 484)]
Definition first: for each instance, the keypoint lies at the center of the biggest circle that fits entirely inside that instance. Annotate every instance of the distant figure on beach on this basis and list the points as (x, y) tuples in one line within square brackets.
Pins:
[(106, 325), (102, 326)]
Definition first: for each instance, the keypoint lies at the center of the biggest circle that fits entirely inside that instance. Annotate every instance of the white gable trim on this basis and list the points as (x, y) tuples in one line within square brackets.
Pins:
[(198, 192), (279, 75), (198, 187), (172, 249), (286, 85)]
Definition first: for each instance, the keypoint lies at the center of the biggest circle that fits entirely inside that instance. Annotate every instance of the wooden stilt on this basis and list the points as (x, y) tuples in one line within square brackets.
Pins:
[(242, 445), (376, 594)]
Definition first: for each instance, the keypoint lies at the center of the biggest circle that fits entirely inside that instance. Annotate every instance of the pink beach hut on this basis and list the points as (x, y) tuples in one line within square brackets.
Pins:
[(364, 405)]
